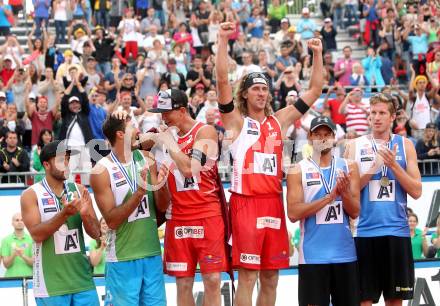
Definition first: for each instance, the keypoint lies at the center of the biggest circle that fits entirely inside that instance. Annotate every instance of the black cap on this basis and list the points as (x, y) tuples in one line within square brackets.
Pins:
[(322, 121), (430, 125), (54, 148), (169, 100)]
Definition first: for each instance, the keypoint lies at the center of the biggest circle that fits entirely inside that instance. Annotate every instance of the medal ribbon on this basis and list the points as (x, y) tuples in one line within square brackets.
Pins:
[(374, 145), (327, 185), (131, 182), (52, 194)]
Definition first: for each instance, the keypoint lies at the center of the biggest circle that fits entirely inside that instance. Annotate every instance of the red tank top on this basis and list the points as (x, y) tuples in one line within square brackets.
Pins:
[(195, 197), (257, 153)]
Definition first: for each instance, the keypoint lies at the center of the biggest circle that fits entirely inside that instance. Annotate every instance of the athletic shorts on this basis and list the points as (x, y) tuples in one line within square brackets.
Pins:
[(84, 298), (318, 282), (197, 241), (135, 282), (385, 265), (259, 234)]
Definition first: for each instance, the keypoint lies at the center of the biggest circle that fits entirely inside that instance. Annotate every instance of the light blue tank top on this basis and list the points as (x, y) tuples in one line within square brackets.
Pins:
[(325, 237), (383, 209)]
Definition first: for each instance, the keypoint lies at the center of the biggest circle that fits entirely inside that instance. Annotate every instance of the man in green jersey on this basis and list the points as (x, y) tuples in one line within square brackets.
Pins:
[(121, 183), (54, 212), (16, 250)]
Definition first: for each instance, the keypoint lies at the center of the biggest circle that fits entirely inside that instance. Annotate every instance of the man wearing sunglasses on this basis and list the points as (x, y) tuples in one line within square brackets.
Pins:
[(195, 230), (389, 171), (259, 236)]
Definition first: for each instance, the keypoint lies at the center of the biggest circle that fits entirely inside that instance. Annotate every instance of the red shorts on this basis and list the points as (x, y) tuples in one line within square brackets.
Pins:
[(259, 234), (197, 241)]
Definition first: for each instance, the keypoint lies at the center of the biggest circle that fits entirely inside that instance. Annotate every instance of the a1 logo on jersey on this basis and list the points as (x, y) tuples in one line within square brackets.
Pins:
[(265, 163), (141, 212), (380, 193), (66, 241), (185, 183), (330, 214)]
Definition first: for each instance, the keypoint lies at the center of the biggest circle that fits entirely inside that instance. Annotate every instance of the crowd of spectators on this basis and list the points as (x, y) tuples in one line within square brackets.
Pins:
[(86, 58)]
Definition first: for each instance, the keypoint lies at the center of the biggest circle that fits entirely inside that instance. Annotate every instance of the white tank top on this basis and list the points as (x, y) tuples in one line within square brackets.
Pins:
[(421, 111)]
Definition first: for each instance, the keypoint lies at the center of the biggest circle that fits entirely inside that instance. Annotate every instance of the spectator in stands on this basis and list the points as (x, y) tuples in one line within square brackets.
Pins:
[(184, 38), (159, 56), (211, 102), (75, 127), (281, 34), (104, 50), (417, 36), (18, 85), (434, 68), (198, 75), (337, 8), (7, 71), (387, 69), (371, 13), (5, 13), (275, 13), (435, 238), (420, 102), (60, 9), (267, 44), (3, 106), (172, 77), (44, 138), (12, 47), (112, 79), (129, 27), (16, 250), (151, 36), (49, 88), (240, 46), (356, 111), (248, 65), (102, 8), (403, 120), (11, 123), (255, 23), (149, 121), (41, 116), (287, 81), (306, 26), (418, 237), (343, 67), (41, 11), (17, 6), (13, 159), (116, 11), (428, 147), (333, 105), (358, 78), (97, 249), (93, 77), (372, 64), (328, 33), (149, 21), (284, 60)]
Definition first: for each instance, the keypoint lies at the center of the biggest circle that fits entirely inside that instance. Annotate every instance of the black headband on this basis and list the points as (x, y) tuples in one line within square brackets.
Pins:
[(255, 78)]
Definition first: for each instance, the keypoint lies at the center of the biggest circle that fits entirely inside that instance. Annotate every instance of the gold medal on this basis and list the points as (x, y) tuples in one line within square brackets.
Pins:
[(384, 181)]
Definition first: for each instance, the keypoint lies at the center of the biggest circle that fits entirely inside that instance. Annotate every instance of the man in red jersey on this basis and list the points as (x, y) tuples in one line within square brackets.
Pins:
[(195, 227), (259, 235)]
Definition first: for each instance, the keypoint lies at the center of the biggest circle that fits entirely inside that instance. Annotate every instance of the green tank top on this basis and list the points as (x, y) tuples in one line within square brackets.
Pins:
[(137, 236), (61, 265)]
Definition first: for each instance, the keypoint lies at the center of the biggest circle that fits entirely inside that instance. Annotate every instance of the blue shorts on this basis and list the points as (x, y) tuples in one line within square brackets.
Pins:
[(135, 282), (84, 298)]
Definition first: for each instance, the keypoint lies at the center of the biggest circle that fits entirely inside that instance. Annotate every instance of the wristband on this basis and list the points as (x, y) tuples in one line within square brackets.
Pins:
[(199, 156), (301, 106), (226, 108)]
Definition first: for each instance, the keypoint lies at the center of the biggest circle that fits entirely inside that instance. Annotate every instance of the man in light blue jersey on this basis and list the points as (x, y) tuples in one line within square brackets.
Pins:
[(389, 171), (323, 192)]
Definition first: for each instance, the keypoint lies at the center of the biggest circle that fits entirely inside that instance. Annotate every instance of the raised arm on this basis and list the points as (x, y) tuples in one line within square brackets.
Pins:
[(291, 113), (231, 120)]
